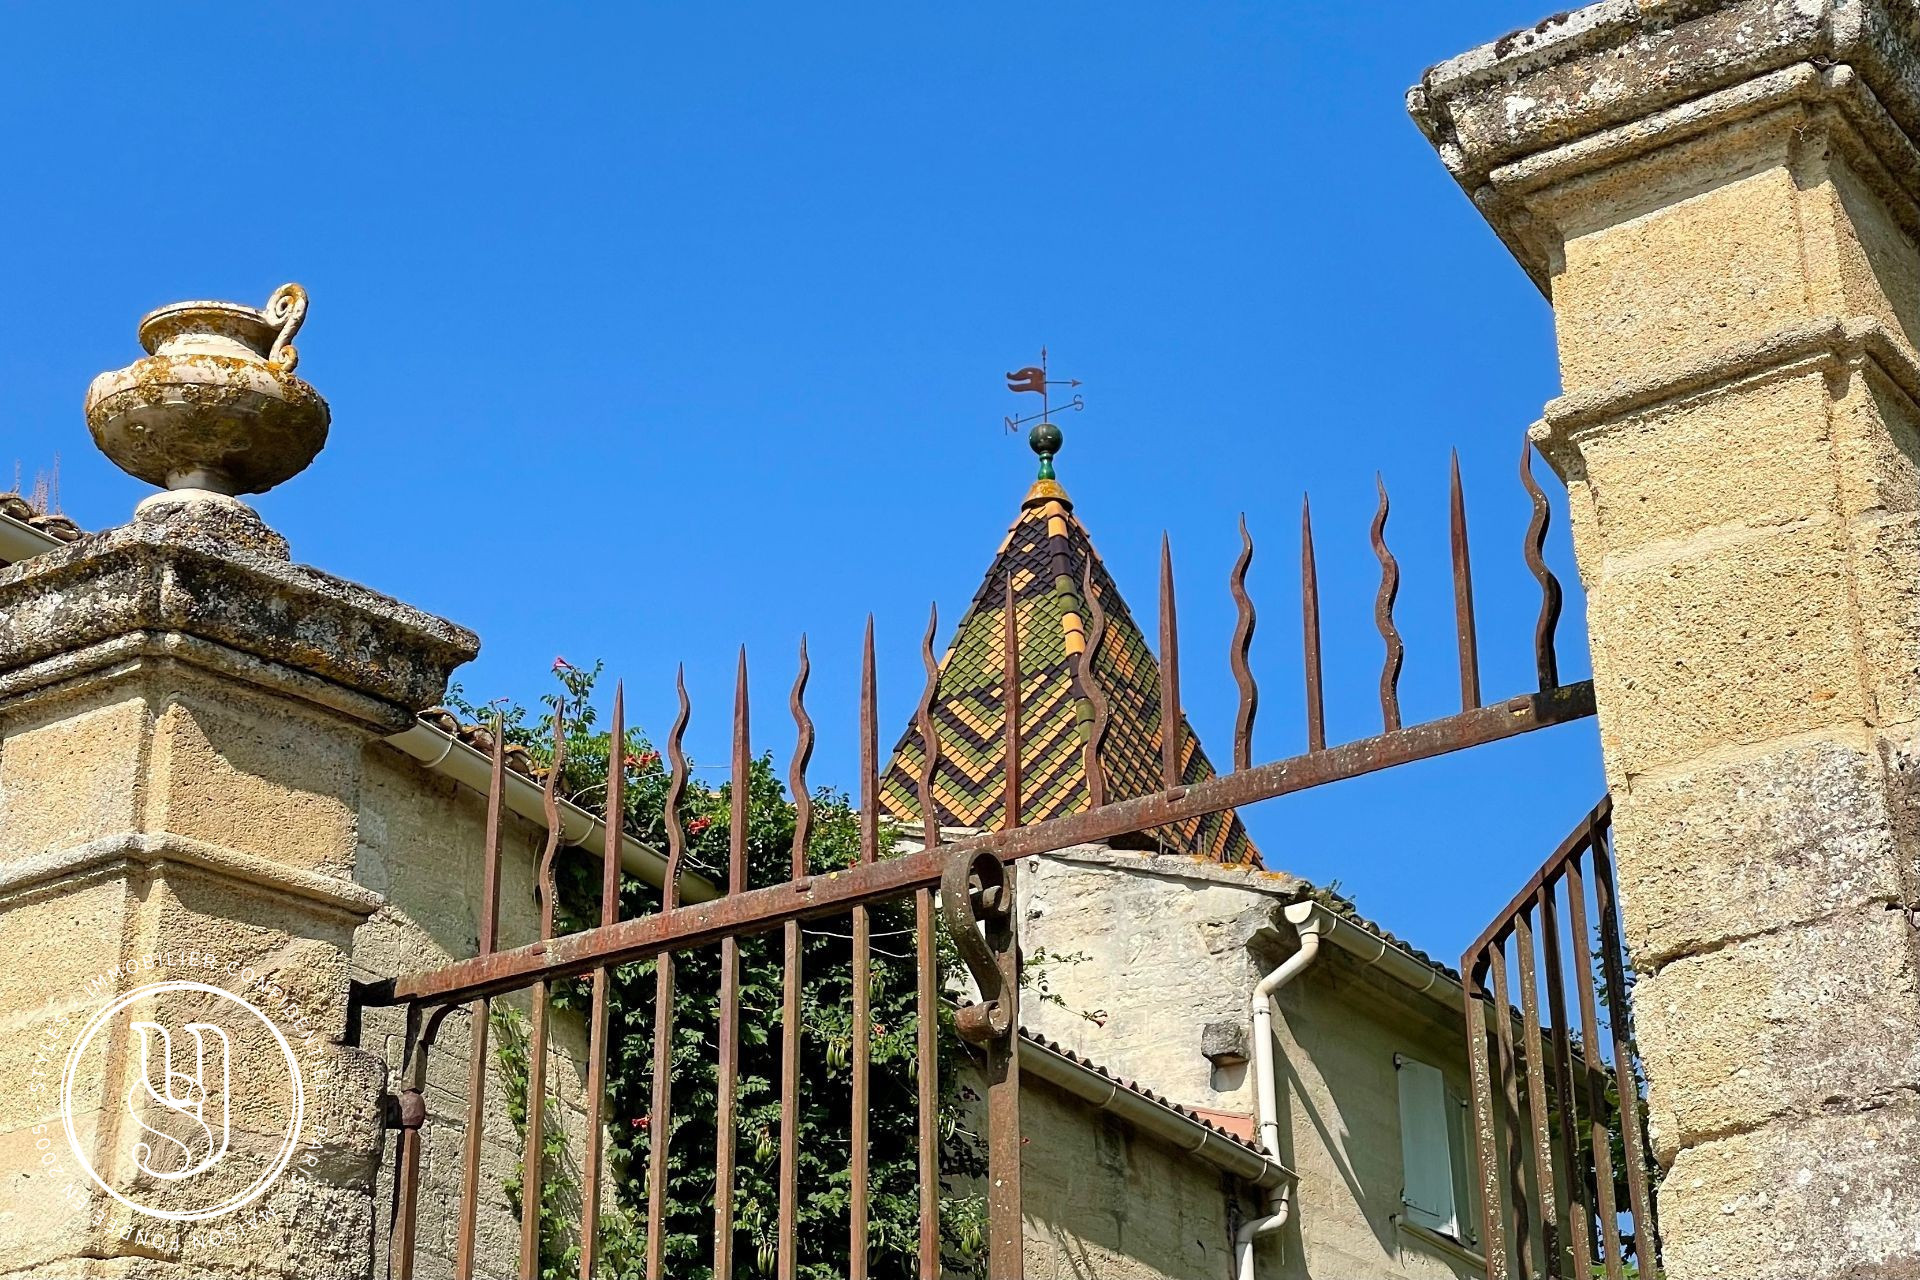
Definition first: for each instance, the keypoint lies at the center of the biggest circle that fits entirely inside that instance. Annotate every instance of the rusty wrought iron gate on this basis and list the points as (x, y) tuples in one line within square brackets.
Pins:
[(1565, 1174), (969, 883)]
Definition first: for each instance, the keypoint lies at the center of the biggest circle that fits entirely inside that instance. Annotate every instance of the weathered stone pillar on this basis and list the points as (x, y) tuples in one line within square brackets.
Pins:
[(1720, 200), (184, 716)]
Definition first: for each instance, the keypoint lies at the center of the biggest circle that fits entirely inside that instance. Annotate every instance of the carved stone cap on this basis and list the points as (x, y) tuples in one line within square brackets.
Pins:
[(1586, 89), (183, 587)]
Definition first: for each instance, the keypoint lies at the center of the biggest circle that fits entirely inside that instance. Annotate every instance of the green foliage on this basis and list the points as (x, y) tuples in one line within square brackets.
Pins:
[(825, 1092)]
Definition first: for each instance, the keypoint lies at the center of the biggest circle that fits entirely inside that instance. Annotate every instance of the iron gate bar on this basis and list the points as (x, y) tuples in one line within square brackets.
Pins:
[(602, 984), (1558, 1213), (790, 1024), (1611, 951), (1243, 624), (1462, 589), (1383, 615), (481, 1011), (1310, 632), (757, 910), (863, 961), (725, 1139), (1598, 1137), (660, 1111), (532, 1176), (927, 961)]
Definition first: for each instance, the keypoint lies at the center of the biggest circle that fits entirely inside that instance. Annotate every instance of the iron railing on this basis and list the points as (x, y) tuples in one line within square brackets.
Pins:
[(1565, 1173), (970, 881)]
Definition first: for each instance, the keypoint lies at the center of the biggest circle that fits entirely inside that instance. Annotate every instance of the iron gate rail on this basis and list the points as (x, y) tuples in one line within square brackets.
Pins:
[(1544, 1125), (974, 879)]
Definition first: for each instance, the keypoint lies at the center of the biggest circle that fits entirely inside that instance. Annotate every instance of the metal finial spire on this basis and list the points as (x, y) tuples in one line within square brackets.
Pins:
[(1045, 438)]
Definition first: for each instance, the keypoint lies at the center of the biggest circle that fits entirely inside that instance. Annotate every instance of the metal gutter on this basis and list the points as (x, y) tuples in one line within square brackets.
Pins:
[(443, 753), (1160, 1119), (1371, 949), (19, 540)]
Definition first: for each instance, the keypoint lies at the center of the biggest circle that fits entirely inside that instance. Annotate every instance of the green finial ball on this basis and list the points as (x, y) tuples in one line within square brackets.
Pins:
[(1045, 439)]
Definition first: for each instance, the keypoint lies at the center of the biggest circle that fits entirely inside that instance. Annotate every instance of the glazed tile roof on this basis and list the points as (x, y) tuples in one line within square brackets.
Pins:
[(1140, 1090), (1046, 556), (53, 524)]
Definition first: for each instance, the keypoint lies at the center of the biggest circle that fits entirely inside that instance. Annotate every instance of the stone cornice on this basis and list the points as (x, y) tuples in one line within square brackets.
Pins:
[(160, 852), (145, 578), (1590, 88), (1821, 342)]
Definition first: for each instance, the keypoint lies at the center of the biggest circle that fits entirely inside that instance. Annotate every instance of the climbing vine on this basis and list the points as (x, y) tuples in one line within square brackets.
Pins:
[(824, 1148)]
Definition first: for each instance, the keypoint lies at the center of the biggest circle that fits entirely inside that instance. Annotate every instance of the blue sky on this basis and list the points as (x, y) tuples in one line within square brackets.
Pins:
[(652, 330)]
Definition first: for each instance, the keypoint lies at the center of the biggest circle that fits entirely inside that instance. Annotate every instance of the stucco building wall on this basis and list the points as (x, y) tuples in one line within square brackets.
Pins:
[(1165, 946)]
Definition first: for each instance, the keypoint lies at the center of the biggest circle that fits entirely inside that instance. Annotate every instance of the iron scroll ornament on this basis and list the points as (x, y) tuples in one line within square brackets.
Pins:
[(976, 901)]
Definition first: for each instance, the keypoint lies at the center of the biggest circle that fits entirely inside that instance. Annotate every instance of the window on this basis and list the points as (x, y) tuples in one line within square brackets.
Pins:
[(1437, 1169)]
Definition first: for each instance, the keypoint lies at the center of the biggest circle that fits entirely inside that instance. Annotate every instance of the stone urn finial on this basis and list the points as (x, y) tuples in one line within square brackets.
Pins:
[(214, 407)]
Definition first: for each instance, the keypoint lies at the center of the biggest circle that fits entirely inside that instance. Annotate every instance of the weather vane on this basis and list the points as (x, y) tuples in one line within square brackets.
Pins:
[(1045, 438), (1034, 378)]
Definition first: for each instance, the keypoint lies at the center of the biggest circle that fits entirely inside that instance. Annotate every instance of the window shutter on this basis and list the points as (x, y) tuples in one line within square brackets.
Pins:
[(1466, 1194), (1425, 1153)]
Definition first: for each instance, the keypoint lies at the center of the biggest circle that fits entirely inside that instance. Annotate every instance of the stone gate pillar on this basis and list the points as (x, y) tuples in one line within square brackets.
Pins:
[(1720, 201), (184, 716)]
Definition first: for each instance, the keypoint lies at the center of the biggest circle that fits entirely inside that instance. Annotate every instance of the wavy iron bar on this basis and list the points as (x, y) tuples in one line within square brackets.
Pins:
[(660, 1112), (1100, 707), (790, 978), (1249, 704), (1383, 615), (1543, 631), (927, 997)]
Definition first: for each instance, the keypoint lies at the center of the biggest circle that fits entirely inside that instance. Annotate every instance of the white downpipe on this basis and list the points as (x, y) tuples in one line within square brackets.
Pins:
[(1267, 1094)]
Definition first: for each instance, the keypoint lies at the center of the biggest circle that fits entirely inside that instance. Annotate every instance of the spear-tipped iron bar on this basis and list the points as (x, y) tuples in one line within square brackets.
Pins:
[(927, 1049), (927, 1007), (1310, 627), (1249, 705), (615, 821), (1545, 662), (790, 1031), (725, 1137), (481, 1010), (1098, 704), (863, 962), (1172, 719), (659, 1113), (1383, 614), (532, 1173), (1463, 592)]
